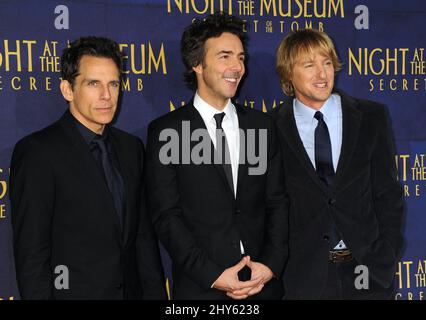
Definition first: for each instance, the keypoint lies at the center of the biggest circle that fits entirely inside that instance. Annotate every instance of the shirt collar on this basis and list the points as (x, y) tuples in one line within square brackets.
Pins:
[(88, 134), (330, 109), (207, 111)]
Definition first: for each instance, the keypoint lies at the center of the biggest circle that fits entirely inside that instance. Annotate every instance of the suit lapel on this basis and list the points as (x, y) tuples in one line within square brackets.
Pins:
[(242, 166), (86, 163), (287, 125), (197, 122), (124, 161), (351, 125)]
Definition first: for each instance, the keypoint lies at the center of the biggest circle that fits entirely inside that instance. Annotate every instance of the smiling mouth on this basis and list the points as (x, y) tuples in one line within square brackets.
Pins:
[(321, 85), (232, 80)]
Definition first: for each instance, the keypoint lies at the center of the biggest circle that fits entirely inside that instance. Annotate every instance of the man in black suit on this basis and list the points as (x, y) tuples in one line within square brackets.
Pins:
[(81, 230), (223, 222), (346, 205)]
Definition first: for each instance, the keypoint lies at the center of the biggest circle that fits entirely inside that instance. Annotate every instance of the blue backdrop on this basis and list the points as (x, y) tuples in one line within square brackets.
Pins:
[(380, 42)]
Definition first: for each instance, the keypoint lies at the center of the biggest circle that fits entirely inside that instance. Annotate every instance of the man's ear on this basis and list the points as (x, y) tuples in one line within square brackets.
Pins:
[(66, 90), (198, 68)]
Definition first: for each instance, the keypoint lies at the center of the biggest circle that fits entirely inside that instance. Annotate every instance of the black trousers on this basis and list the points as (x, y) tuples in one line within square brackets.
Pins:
[(341, 285)]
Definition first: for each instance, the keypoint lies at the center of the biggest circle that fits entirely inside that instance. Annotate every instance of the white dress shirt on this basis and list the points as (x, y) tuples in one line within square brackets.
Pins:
[(230, 127)]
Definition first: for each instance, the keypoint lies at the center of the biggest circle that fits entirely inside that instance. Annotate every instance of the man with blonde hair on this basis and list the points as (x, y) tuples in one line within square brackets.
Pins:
[(338, 152)]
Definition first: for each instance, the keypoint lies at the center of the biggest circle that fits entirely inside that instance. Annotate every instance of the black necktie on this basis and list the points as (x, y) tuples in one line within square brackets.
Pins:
[(223, 149), (112, 177), (324, 163), (323, 155)]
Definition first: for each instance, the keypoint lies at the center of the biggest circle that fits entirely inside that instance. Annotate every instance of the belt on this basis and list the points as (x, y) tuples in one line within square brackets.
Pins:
[(339, 256)]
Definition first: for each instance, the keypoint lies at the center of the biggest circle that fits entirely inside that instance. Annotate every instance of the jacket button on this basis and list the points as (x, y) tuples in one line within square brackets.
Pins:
[(119, 286), (331, 201), (234, 244), (326, 237), (238, 211)]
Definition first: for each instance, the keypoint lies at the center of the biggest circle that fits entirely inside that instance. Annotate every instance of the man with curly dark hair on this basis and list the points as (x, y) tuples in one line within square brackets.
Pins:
[(225, 228)]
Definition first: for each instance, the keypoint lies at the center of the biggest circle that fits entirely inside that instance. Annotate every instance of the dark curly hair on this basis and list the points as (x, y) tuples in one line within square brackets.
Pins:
[(192, 44), (91, 46)]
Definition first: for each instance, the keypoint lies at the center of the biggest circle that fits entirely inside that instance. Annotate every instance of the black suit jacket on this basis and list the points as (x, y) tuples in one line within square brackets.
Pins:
[(63, 214), (199, 220), (365, 201)]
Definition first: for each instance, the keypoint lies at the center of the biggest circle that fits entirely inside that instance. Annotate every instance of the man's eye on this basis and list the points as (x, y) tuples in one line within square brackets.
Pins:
[(92, 83), (309, 65), (115, 84)]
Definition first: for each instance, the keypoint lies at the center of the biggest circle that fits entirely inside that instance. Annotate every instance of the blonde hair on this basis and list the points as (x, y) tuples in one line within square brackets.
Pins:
[(298, 44)]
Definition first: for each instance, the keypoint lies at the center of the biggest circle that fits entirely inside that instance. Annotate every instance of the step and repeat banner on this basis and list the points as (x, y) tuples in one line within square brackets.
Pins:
[(380, 42)]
